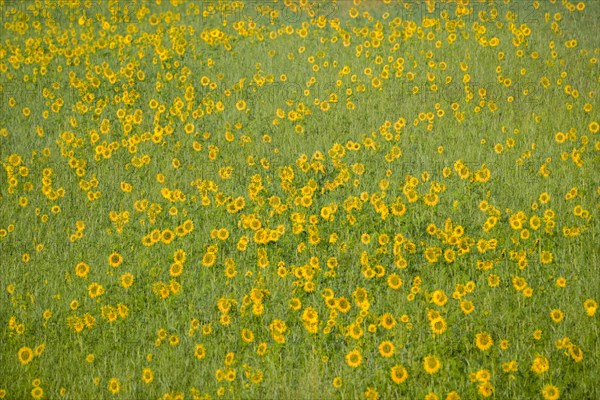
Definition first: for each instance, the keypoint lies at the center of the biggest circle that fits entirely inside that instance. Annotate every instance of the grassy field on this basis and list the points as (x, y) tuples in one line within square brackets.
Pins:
[(299, 199)]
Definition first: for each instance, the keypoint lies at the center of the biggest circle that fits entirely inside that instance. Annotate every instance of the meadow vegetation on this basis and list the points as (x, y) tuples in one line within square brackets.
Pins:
[(299, 199)]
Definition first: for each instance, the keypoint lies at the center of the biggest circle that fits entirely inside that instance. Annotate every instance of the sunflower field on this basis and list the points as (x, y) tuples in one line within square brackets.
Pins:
[(299, 199)]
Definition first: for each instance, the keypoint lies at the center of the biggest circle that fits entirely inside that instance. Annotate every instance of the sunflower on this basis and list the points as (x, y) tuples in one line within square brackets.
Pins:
[(179, 256), (127, 280), (546, 257), (557, 315), (25, 355), (354, 358), (431, 364), (493, 280), (343, 305), (155, 235), (114, 386), (337, 382), (167, 236), (257, 377), (398, 373), (486, 389), (82, 270), (200, 351), (230, 271), (483, 341), (576, 353), (208, 259), (147, 375), (510, 366), (295, 304), (355, 331), (37, 392), (439, 297), (519, 283), (550, 392), (386, 349), (176, 269), (173, 340), (331, 302), (229, 358), (590, 306), (370, 393), (247, 335), (483, 375), (147, 241), (438, 325), (453, 395), (115, 259), (394, 281), (310, 315), (467, 306), (109, 313), (388, 321), (95, 290), (261, 350), (540, 364), (222, 234)]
